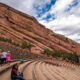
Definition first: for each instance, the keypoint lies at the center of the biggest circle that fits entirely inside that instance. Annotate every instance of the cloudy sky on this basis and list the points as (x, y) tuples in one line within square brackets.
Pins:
[(61, 16)]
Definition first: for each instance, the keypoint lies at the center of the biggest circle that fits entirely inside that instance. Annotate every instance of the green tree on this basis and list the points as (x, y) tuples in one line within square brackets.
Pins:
[(24, 44), (1, 39), (29, 46), (6, 40), (47, 51), (57, 53), (9, 40), (52, 53), (75, 58), (72, 57), (16, 44)]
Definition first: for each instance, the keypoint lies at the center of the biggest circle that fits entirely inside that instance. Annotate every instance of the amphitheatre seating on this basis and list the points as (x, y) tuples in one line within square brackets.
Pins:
[(61, 63), (7, 66), (66, 70), (52, 69)]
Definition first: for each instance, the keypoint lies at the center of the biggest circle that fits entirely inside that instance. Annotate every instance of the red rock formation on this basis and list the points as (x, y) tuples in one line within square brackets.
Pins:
[(19, 26)]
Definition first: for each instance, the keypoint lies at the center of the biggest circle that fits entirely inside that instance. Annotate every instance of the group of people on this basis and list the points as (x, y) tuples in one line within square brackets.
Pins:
[(5, 56)]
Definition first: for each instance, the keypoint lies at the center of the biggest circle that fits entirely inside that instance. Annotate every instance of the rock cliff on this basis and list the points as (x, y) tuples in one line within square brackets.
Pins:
[(19, 26)]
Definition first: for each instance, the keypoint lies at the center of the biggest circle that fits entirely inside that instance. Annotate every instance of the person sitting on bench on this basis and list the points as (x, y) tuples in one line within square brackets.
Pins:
[(15, 74)]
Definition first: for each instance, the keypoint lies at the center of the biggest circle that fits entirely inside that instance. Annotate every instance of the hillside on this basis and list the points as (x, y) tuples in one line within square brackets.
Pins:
[(21, 27)]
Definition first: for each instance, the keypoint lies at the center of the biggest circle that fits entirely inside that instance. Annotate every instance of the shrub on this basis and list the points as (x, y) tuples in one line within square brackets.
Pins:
[(16, 44), (47, 51), (24, 44), (29, 46), (68, 56), (1, 39), (65, 56), (6, 40), (57, 53), (54, 53), (72, 57), (75, 58), (9, 40)]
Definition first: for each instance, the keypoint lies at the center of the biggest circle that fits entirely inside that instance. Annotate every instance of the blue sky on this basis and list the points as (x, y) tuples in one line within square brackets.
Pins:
[(46, 8), (61, 16)]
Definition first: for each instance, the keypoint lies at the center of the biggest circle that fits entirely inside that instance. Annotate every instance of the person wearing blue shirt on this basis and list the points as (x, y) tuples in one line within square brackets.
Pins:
[(21, 60)]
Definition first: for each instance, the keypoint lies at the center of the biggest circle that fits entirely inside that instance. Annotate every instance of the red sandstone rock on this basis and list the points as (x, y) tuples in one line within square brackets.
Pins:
[(19, 26)]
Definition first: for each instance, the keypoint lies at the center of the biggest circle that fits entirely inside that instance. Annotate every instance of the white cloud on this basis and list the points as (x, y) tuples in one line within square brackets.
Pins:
[(27, 6), (66, 22), (76, 9), (60, 6), (76, 37)]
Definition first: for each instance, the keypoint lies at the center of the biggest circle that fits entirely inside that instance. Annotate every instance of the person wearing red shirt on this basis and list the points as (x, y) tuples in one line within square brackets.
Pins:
[(15, 74)]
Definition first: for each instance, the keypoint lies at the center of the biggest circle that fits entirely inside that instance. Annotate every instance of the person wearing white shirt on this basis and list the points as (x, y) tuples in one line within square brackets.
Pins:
[(4, 56)]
